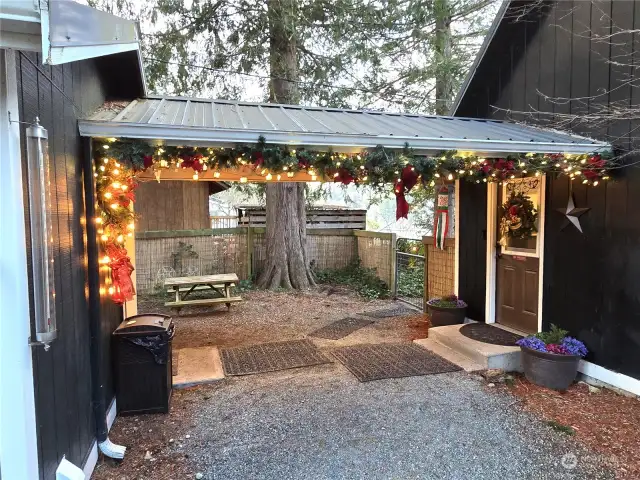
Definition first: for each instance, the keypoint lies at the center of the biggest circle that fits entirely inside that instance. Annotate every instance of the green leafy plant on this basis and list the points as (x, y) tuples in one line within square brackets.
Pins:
[(559, 427), (411, 282), (553, 336), (363, 280)]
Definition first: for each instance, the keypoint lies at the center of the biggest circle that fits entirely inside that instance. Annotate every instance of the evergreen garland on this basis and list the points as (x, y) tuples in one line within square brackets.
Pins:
[(374, 167)]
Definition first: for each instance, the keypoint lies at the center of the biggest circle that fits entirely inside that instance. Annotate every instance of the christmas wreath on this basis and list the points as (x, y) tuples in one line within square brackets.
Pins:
[(519, 217)]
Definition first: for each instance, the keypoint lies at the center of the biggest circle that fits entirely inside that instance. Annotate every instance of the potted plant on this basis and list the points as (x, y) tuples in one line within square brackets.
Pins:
[(550, 359), (447, 310)]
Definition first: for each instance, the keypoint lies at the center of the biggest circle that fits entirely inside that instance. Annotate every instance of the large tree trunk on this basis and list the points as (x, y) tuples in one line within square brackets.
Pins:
[(286, 264), (444, 75)]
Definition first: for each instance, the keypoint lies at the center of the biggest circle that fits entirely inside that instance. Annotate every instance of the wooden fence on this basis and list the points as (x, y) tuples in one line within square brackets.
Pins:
[(377, 250), (159, 254), (440, 265), (316, 218)]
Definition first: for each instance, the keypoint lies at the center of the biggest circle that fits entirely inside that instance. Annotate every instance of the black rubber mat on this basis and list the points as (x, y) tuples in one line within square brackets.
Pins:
[(391, 360), (341, 328), (489, 334), (395, 311), (269, 357)]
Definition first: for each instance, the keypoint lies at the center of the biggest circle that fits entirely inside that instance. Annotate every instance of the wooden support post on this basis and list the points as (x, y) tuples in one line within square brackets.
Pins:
[(249, 252), (392, 266), (426, 275)]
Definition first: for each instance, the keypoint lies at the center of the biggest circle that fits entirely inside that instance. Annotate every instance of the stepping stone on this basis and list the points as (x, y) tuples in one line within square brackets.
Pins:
[(197, 365)]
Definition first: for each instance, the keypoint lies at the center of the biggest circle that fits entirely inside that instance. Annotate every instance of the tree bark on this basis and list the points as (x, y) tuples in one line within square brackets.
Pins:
[(286, 264), (444, 76)]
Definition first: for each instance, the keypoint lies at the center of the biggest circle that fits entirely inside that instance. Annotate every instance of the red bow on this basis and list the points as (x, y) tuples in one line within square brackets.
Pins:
[(409, 177), (258, 160), (402, 206), (147, 161), (121, 269), (344, 176), (597, 164)]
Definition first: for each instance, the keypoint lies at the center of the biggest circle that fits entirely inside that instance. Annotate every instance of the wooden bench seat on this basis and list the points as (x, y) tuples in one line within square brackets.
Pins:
[(198, 288), (204, 301)]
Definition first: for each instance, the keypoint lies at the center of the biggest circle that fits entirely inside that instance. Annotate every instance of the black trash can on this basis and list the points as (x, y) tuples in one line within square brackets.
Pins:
[(142, 364)]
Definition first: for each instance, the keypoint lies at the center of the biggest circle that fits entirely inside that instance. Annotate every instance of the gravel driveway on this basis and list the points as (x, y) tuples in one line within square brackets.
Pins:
[(321, 423)]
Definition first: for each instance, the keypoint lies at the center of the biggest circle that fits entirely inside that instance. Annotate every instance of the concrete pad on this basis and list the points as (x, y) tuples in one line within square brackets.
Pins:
[(486, 354), (198, 365), (464, 362)]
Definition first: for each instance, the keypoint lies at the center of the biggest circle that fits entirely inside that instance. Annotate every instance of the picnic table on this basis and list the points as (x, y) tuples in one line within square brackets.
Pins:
[(218, 285)]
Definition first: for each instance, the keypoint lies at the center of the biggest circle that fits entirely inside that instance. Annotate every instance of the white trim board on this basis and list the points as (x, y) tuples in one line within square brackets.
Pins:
[(609, 377), (18, 439), (490, 296)]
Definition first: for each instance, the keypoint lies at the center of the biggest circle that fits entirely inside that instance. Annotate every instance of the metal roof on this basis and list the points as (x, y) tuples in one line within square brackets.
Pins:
[(185, 121)]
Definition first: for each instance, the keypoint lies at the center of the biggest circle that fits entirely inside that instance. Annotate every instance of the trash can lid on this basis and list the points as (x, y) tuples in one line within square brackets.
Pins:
[(145, 323)]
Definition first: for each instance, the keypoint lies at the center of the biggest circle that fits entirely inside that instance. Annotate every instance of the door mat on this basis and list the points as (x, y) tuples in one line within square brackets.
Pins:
[(341, 328), (269, 357), (489, 334), (391, 360), (174, 363), (395, 311)]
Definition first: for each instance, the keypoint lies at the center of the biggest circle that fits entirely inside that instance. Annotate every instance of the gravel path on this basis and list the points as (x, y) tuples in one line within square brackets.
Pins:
[(320, 423)]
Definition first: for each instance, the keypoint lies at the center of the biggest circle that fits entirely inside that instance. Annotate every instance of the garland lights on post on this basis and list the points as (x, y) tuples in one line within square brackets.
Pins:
[(118, 161), (115, 185)]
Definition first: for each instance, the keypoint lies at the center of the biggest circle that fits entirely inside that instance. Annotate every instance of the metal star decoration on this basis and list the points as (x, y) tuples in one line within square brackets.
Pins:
[(572, 214)]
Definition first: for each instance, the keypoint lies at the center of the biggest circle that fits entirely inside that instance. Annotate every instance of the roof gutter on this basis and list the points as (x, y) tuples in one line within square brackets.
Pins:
[(185, 135)]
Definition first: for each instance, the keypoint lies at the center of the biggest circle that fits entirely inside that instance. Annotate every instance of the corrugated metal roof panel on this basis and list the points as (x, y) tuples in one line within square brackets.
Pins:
[(217, 121)]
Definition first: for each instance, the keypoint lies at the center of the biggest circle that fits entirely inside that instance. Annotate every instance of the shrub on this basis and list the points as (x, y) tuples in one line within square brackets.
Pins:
[(363, 280), (411, 282)]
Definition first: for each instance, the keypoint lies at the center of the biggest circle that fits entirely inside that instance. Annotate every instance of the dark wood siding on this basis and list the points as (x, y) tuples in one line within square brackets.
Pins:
[(591, 281), (58, 96), (472, 282)]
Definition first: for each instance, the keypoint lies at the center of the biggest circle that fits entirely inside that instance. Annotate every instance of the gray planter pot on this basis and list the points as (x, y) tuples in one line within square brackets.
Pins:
[(441, 316), (549, 370)]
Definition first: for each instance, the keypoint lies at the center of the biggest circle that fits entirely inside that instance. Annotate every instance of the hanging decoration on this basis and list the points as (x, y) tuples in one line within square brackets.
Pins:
[(119, 161), (441, 222), (519, 217), (572, 214), (115, 186)]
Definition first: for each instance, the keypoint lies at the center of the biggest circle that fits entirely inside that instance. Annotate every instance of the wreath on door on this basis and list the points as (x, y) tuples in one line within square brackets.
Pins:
[(519, 217)]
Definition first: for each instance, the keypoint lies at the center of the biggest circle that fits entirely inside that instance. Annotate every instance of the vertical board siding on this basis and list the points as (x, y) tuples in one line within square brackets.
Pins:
[(172, 205), (58, 95), (591, 282)]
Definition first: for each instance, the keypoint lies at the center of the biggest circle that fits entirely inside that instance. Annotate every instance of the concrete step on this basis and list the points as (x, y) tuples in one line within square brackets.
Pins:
[(487, 355), (467, 364)]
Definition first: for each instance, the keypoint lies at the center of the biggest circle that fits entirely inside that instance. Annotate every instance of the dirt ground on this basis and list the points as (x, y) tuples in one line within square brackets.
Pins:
[(605, 421), (176, 446), (277, 316), (261, 317)]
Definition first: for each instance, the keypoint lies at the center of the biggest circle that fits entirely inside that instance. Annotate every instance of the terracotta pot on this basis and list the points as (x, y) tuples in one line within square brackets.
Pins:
[(441, 316), (549, 370)]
